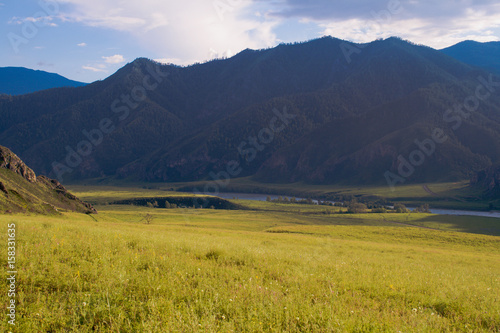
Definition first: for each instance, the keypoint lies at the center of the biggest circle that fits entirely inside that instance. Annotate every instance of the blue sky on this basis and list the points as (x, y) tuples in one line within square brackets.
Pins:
[(88, 40)]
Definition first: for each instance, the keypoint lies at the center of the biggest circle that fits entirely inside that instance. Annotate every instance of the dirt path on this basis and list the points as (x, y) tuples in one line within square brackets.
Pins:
[(428, 190)]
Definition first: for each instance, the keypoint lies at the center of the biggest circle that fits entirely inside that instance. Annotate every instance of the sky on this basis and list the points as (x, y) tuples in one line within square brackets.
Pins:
[(88, 40)]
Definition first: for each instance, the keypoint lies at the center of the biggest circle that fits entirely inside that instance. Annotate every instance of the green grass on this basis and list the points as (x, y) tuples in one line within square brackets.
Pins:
[(38, 197), (315, 213), (268, 269), (107, 194), (452, 195)]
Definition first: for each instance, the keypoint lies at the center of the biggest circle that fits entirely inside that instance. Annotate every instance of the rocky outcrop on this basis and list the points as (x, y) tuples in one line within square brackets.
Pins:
[(10, 161), (60, 189), (489, 180), (31, 193)]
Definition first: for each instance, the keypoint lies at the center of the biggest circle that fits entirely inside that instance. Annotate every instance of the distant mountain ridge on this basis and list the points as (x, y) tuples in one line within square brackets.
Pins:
[(349, 121), (484, 55), (20, 80)]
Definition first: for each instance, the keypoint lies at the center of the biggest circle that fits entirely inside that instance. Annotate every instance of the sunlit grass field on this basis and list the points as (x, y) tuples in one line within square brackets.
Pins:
[(271, 268)]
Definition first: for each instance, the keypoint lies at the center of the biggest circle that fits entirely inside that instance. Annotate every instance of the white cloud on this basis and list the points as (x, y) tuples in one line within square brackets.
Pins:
[(15, 20), (121, 23), (367, 9), (214, 54), (168, 61), (198, 30), (418, 30), (182, 30), (158, 20), (38, 21), (94, 69), (81, 44), (115, 59), (436, 24)]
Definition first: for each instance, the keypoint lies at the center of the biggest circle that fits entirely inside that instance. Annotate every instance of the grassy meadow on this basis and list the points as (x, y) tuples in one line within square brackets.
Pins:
[(270, 268), (450, 195)]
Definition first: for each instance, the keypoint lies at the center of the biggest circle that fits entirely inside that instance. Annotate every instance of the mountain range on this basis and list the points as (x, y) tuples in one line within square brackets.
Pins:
[(323, 111), (20, 80), (484, 55)]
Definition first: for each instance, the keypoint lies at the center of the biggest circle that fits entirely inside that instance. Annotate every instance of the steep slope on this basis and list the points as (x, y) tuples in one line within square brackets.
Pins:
[(392, 86), (360, 149), (484, 55), (20, 80), (22, 191), (40, 126), (488, 181), (349, 121)]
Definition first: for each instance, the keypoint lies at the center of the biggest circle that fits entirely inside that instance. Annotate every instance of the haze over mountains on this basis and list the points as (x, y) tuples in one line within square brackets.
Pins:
[(485, 55), (19, 80), (302, 112)]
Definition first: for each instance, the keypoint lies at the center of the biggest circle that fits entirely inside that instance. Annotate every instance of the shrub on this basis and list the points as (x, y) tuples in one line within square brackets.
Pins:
[(356, 208), (400, 209), (422, 209)]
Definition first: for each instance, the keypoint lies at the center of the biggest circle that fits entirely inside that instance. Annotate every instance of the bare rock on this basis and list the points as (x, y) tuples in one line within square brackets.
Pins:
[(3, 188), (10, 161)]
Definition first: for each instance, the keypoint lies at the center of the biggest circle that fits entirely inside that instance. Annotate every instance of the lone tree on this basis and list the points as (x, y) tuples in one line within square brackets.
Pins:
[(148, 218)]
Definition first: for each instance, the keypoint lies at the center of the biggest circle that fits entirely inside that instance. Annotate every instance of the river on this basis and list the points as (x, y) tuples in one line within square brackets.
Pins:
[(263, 197)]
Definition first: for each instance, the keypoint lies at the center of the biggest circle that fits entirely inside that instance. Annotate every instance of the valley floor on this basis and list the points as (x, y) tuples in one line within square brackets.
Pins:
[(451, 195), (269, 268)]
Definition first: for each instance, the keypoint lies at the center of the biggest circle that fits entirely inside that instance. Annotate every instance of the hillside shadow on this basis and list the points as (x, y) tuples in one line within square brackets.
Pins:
[(471, 224)]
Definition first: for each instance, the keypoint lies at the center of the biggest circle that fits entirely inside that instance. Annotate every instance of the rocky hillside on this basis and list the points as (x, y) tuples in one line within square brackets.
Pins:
[(489, 181), (22, 191)]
